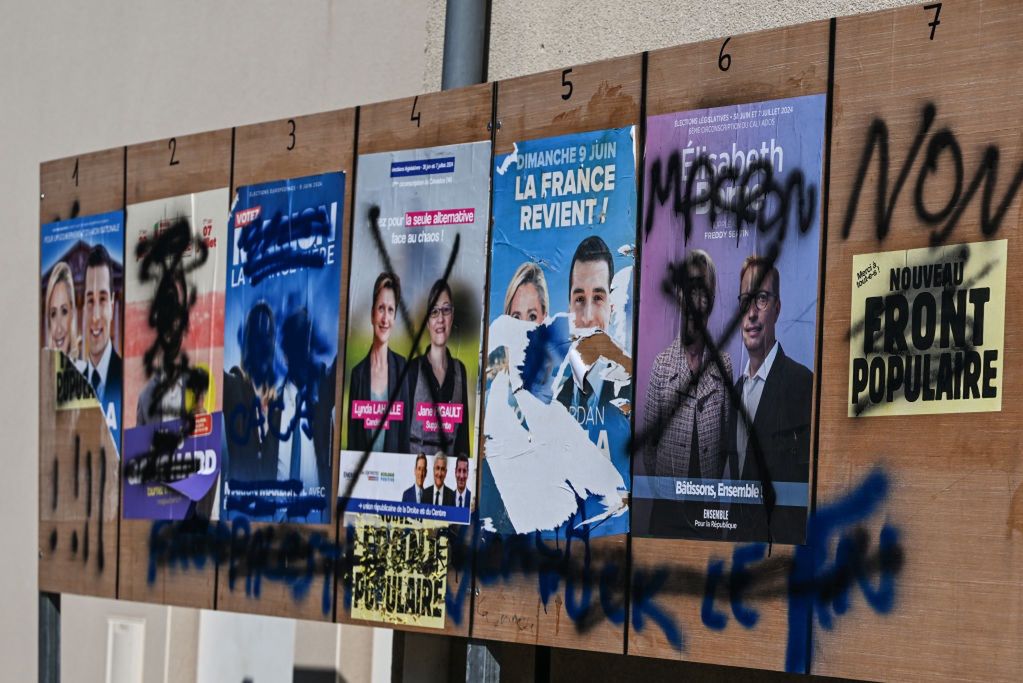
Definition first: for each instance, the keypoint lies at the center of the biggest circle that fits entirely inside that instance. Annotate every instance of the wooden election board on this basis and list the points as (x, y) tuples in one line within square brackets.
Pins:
[(954, 480), (78, 464), (264, 152), (926, 510), (584, 98), (158, 170), (451, 117), (775, 64)]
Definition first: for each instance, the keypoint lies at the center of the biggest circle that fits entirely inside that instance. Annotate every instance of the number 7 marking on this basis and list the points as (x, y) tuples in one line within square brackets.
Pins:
[(937, 13)]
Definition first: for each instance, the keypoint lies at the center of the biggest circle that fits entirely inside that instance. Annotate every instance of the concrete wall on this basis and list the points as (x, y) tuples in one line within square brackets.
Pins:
[(80, 76)]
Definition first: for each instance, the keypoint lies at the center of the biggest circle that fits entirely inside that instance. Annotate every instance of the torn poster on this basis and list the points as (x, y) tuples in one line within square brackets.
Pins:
[(730, 251), (280, 348), (174, 354), (399, 571), (559, 352), (82, 306), (411, 401)]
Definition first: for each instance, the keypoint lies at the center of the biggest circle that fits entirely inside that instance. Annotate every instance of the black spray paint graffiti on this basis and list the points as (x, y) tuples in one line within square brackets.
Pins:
[(942, 143), (79, 545), (416, 334), (758, 199), (904, 369), (162, 260)]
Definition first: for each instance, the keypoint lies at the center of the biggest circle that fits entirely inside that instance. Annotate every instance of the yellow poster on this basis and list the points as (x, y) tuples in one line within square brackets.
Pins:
[(72, 389), (928, 327), (400, 571)]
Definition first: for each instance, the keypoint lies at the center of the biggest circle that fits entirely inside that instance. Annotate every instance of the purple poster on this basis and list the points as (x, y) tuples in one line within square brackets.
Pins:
[(730, 252)]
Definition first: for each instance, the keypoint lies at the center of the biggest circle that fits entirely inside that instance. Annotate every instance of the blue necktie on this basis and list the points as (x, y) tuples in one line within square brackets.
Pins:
[(296, 452)]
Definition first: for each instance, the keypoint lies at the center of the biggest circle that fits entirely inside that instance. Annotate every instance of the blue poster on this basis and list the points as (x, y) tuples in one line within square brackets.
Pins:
[(559, 354), (280, 348), (82, 302)]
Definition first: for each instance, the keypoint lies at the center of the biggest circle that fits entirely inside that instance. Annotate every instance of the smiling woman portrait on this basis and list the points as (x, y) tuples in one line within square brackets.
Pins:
[(439, 378), (61, 315), (378, 376)]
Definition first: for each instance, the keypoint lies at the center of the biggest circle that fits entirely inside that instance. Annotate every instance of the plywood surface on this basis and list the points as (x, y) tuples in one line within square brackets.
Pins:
[(955, 480), (429, 120)]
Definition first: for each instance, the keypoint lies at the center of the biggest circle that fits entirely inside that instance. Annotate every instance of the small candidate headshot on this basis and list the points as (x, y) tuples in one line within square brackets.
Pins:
[(463, 496), (439, 494), (526, 297), (414, 493), (589, 285)]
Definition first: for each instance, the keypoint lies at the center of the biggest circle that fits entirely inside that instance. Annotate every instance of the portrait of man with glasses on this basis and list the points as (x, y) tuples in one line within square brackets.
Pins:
[(770, 428)]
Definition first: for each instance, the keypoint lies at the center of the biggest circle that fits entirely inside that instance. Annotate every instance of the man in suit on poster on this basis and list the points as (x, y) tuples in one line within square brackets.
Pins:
[(776, 394), (414, 493), (439, 494), (103, 365), (463, 496)]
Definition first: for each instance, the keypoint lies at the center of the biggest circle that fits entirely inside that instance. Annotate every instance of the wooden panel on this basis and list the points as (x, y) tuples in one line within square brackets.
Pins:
[(441, 118), (768, 65), (603, 95), (81, 185), (78, 495), (320, 143), (200, 162), (451, 117), (78, 490), (955, 481), (509, 604), (180, 165)]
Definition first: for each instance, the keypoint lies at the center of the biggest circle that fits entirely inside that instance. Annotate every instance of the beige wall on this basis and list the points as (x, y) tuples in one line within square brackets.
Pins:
[(81, 76), (527, 37)]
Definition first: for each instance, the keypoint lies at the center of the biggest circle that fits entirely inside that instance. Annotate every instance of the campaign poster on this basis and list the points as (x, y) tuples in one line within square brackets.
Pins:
[(399, 571), (174, 354), (559, 352), (414, 325), (928, 327), (81, 311), (731, 252), (284, 256)]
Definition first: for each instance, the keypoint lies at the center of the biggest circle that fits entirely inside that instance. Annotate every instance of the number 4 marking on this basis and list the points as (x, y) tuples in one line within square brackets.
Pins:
[(937, 13)]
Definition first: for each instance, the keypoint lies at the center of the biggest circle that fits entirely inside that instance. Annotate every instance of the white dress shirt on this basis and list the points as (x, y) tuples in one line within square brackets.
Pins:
[(752, 390)]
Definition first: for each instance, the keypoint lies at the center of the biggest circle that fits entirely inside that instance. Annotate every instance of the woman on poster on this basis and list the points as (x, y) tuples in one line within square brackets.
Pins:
[(61, 315), (687, 403), (377, 376), (438, 377)]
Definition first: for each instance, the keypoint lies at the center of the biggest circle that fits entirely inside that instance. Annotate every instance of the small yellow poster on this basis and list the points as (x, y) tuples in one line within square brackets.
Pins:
[(927, 332), (400, 571)]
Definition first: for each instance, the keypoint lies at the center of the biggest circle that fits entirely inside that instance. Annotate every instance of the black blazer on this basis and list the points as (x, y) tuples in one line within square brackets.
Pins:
[(447, 498), (395, 438), (782, 427)]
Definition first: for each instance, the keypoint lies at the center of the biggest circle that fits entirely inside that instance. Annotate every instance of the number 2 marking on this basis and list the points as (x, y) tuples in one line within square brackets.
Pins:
[(172, 145)]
